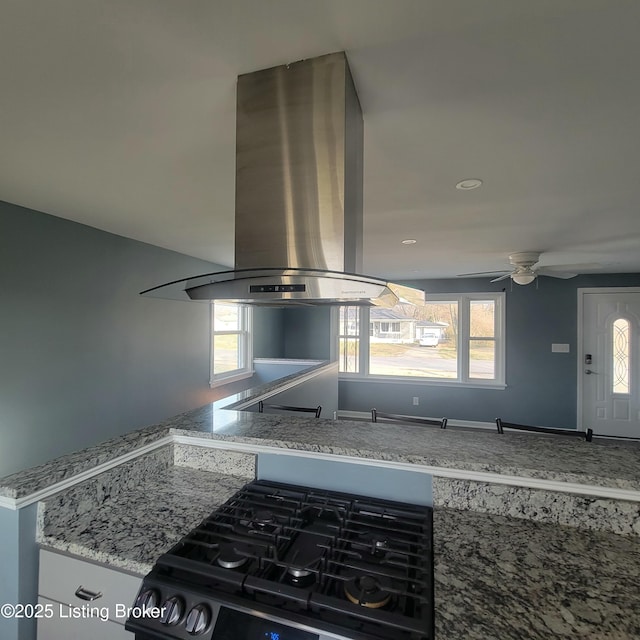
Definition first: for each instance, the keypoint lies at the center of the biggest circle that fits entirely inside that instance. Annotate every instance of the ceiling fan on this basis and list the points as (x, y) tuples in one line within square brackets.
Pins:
[(524, 271)]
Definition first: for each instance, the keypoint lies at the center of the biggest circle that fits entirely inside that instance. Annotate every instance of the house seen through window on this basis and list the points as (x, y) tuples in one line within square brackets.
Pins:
[(450, 338), (231, 357)]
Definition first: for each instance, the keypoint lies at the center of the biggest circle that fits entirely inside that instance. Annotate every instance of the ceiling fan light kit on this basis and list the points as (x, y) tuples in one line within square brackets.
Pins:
[(523, 278)]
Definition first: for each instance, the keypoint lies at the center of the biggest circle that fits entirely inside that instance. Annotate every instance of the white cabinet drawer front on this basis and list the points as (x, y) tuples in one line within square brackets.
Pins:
[(61, 577), (63, 626)]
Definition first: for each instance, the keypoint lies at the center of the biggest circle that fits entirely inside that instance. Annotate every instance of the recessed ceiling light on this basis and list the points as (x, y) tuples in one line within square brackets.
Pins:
[(409, 241), (470, 183)]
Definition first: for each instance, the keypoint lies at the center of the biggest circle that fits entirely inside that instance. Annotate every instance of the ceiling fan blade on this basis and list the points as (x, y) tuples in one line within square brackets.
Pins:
[(567, 271), (481, 273), (504, 277), (565, 275)]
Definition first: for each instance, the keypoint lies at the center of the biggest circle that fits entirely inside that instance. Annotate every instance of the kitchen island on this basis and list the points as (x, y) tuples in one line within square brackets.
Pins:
[(506, 564), (496, 577)]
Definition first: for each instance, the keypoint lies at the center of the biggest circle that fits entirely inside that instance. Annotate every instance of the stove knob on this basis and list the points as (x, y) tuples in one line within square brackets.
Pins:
[(198, 619), (148, 599), (172, 610)]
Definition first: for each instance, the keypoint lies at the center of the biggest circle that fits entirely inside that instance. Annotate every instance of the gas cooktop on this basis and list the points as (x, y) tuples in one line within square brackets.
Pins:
[(283, 562)]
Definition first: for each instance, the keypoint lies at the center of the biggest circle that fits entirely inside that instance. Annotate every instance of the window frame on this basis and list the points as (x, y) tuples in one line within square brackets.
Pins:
[(245, 345), (342, 332), (464, 339)]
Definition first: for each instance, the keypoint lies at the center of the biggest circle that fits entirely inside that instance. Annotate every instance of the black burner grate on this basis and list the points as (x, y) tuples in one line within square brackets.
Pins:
[(349, 565)]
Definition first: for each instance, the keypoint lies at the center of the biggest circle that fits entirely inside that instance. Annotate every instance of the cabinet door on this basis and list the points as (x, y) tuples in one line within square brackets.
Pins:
[(61, 626)]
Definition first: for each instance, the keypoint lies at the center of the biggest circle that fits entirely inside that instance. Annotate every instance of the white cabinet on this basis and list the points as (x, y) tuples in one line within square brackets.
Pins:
[(79, 599), (63, 627)]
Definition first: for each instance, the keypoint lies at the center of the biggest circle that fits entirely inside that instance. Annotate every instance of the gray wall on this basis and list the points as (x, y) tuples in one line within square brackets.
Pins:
[(541, 386), (297, 333), (307, 333), (84, 357), (268, 332), (28, 568), (366, 480), (9, 568), (18, 569)]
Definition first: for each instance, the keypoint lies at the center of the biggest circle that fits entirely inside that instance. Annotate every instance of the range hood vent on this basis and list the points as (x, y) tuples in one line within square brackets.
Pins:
[(298, 219)]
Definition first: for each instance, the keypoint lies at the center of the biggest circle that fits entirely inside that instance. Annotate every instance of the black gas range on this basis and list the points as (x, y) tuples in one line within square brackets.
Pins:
[(283, 562)]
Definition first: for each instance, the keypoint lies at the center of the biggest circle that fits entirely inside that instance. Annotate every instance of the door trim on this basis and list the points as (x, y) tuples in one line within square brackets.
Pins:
[(580, 337)]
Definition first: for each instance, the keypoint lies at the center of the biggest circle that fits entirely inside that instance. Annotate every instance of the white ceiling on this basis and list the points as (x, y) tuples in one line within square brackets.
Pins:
[(121, 115)]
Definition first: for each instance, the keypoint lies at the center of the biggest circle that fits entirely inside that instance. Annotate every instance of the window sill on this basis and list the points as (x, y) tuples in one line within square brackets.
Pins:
[(234, 376), (425, 382)]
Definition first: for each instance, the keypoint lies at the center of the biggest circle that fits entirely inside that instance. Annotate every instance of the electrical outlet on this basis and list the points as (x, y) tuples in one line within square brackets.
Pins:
[(416, 402)]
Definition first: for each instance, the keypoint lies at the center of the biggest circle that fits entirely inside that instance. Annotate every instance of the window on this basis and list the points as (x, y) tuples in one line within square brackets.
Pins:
[(620, 341), (230, 344), (481, 346), (450, 339), (349, 339)]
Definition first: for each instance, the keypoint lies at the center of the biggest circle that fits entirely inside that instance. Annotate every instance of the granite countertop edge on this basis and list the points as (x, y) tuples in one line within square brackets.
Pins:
[(357, 439), (523, 474), (23, 484)]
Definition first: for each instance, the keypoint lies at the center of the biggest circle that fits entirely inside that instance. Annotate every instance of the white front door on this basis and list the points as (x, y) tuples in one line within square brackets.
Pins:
[(609, 363)]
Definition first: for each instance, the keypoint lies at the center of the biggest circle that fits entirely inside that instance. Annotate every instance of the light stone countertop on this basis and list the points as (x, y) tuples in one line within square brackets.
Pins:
[(30, 481), (602, 463), (496, 578), (501, 578), (132, 529)]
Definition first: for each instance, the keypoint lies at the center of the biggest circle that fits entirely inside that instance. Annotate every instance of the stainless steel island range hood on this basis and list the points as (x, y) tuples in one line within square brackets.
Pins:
[(298, 220)]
